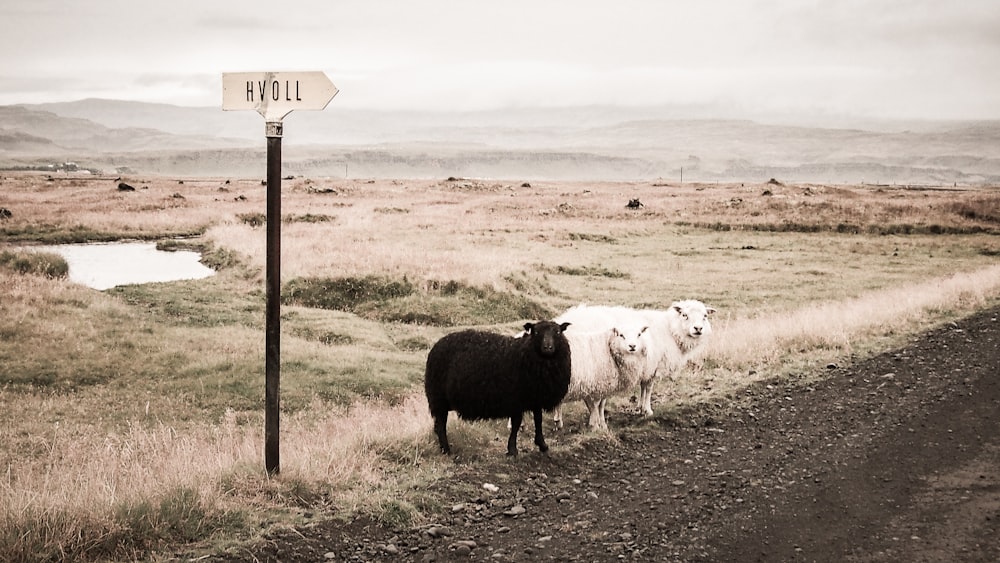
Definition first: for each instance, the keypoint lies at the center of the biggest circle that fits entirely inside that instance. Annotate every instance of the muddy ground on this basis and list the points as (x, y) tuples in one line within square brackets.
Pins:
[(892, 458)]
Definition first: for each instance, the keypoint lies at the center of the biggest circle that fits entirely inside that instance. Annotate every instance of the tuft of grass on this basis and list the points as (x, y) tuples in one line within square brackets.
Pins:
[(592, 271), (255, 219), (179, 516), (843, 228), (455, 303), (395, 512), (219, 258), (983, 209), (309, 218), (47, 264), (450, 303), (414, 344), (77, 234), (344, 294), (494, 308), (327, 337), (587, 237)]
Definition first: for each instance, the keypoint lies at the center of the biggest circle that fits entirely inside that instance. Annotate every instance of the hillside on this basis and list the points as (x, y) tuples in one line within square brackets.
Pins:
[(597, 143), (47, 134)]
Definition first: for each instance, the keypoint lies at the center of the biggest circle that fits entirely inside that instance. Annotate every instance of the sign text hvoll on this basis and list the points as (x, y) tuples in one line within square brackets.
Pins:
[(257, 90), (276, 94)]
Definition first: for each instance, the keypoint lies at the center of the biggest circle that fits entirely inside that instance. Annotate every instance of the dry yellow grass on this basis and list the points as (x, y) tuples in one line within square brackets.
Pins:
[(345, 450), (76, 457)]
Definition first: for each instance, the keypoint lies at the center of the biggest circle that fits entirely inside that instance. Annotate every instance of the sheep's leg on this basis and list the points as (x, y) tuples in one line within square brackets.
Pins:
[(591, 415), (539, 439), (596, 420), (515, 425), (646, 397), (441, 429), (557, 416), (602, 420)]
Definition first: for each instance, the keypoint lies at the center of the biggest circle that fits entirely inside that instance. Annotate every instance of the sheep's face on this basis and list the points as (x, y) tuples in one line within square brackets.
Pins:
[(546, 336), (693, 317), (629, 340)]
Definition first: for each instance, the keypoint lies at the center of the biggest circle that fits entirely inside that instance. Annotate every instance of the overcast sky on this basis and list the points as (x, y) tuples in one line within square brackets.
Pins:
[(872, 58)]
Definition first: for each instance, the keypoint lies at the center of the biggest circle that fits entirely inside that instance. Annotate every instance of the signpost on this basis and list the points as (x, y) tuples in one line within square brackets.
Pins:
[(274, 95)]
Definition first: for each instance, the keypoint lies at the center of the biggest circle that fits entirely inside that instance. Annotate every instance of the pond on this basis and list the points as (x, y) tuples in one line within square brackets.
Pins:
[(106, 265)]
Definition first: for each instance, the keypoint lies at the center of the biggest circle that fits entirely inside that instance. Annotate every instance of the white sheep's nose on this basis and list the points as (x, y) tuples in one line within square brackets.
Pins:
[(631, 347), (696, 330)]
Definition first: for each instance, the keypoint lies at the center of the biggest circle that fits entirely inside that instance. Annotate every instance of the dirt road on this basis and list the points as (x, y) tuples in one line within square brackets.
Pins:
[(893, 458)]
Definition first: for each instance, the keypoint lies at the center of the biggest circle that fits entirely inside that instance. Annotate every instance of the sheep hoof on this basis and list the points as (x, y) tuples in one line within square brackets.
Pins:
[(540, 442), (512, 453)]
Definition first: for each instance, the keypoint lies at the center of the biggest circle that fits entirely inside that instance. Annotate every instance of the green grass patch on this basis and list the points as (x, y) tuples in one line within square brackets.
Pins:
[(255, 219), (843, 228), (588, 237), (258, 219), (592, 271), (450, 303), (309, 218), (197, 303), (350, 294), (327, 337), (57, 234)]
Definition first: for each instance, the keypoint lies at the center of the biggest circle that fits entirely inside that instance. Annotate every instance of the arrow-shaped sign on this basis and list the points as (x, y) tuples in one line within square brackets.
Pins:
[(275, 94)]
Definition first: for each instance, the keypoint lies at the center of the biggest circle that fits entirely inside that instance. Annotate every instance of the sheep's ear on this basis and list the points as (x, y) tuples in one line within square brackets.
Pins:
[(644, 329), (528, 327), (564, 326), (678, 308), (710, 310)]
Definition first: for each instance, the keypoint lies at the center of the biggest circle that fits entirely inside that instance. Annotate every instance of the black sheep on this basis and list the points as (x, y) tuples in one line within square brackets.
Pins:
[(484, 375)]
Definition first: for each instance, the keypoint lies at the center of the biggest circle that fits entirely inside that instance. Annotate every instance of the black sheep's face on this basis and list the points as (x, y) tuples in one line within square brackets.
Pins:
[(546, 336)]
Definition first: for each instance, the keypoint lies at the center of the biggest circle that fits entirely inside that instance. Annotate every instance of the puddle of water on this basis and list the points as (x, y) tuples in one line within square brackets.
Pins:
[(103, 266)]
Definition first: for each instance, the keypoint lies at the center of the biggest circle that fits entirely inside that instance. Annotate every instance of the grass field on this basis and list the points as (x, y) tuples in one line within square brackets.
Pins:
[(132, 424)]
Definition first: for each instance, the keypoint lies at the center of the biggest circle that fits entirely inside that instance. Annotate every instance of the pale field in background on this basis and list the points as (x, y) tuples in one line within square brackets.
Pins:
[(177, 372)]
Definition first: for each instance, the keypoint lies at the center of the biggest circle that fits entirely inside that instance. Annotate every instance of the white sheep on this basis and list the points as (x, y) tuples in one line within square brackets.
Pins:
[(682, 331), (604, 363), (675, 335)]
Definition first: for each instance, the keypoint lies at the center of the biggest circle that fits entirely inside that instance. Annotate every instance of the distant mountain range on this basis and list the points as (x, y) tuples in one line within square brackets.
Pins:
[(583, 143)]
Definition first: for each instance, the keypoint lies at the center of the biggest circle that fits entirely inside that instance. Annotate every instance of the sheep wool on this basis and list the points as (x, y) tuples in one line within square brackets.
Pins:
[(484, 375), (604, 363)]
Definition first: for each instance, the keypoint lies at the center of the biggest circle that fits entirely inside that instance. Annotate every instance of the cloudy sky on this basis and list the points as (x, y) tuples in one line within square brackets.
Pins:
[(873, 58)]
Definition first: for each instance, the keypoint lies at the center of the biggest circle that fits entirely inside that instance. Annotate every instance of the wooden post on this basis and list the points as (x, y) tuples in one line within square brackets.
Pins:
[(272, 331)]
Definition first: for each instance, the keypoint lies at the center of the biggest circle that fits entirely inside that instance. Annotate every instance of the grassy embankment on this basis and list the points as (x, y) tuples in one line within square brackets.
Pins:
[(132, 418)]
